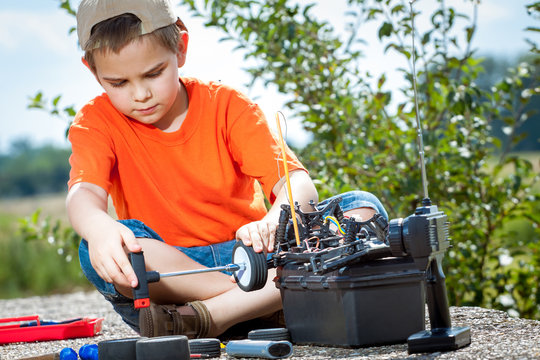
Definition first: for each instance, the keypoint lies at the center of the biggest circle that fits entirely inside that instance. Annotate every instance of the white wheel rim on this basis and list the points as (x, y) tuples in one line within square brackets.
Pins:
[(243, 275)]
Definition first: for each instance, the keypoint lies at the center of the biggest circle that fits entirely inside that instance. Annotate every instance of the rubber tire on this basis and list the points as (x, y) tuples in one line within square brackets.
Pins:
[(210, 347), (118, 349), (275, 334), (163, 348), (257, 267)]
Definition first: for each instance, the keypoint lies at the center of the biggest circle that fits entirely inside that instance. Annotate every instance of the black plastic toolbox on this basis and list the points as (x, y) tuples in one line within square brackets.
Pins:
[(372, 303)]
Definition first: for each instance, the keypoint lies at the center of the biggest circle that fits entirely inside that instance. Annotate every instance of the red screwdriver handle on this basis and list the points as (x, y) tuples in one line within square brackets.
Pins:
[(141, 296)]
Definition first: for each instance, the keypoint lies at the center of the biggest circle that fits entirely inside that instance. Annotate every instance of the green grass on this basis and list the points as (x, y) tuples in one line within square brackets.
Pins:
[(34, 267), (51, 205)]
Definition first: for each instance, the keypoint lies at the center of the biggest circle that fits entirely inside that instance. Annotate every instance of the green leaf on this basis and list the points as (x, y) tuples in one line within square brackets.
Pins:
[(397, 9), (56, 100), (385, 30), (65, 4), (37, 102), (70, 111)]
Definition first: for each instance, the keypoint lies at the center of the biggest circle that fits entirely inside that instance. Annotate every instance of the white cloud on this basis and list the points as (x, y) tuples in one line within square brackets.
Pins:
[(21, 29), (491, 12)]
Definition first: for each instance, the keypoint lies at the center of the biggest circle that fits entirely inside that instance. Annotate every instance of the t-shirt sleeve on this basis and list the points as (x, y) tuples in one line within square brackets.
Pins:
[(92, 158), (255, 147)]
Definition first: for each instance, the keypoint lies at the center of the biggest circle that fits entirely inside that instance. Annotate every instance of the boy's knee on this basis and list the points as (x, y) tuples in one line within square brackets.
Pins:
[(358, 199), (362, 213)]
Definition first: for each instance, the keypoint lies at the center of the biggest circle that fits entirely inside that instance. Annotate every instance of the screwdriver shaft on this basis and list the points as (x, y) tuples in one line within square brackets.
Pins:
[(228, 267)]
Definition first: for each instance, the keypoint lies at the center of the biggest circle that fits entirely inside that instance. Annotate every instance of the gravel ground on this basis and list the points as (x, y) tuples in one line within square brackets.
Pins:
[(495, 335)]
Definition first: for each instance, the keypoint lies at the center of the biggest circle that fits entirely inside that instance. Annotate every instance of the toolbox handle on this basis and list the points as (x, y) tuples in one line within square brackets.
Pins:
[(21, 318)]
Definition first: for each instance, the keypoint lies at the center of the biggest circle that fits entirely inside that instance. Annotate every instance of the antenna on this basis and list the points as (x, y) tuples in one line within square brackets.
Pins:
[(426, 201)]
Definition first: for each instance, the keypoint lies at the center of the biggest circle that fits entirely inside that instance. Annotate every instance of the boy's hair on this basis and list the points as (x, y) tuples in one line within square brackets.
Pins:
[(115, 33)]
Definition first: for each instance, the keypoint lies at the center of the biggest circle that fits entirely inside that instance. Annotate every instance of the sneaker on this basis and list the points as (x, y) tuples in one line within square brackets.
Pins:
[(192, 320)]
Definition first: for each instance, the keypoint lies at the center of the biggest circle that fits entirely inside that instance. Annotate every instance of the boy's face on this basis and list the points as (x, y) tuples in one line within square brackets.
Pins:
[(142, 81)]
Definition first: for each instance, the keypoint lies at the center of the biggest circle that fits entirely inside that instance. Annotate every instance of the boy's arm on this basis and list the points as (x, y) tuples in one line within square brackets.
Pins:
[(87, 211), (261, 234)]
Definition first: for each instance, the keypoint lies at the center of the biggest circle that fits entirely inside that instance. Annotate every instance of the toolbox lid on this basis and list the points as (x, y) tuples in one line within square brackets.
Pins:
[(381, 272)]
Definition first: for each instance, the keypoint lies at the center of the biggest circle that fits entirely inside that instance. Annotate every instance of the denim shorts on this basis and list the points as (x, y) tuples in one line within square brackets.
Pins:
[(209, 256)]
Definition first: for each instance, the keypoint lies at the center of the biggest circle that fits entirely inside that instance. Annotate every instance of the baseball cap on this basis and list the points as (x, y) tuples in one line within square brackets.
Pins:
[(154, 14)]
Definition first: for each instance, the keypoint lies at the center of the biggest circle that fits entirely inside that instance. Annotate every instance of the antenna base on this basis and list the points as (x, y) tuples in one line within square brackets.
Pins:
[(439, 339)]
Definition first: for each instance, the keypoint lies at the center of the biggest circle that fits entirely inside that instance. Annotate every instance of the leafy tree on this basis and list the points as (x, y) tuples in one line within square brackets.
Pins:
[(495, 69), (361, 139), (29, 170), (364, 139)]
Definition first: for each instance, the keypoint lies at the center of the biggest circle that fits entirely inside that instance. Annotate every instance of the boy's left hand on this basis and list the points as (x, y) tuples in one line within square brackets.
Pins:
[(259, 234)]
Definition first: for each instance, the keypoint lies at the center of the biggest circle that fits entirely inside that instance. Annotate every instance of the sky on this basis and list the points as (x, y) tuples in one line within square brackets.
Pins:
[(37, 54)]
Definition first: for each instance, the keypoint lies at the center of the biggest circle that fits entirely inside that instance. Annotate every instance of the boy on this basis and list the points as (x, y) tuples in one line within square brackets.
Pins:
[(186, 164)]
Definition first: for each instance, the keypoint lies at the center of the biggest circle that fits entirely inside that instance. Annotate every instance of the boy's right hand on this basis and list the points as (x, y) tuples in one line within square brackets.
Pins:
[(108, 240), (107, 247)]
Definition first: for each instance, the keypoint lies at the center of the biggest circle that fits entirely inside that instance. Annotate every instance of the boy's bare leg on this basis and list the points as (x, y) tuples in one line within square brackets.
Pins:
[(226, 302), (236, 305), (361, 214)]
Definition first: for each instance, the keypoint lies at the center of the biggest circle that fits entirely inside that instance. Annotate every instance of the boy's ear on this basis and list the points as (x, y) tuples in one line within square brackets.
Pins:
[(89, 68), (86, 63), (182, 48)]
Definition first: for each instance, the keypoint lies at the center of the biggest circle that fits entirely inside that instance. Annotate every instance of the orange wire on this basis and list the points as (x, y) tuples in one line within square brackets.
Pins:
[(285, 167)]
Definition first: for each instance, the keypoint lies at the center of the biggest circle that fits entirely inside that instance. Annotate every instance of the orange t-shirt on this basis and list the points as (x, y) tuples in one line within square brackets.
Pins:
[(195, 186)]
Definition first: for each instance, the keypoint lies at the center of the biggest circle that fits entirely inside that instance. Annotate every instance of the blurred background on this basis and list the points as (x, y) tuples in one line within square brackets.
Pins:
[(44, 83)]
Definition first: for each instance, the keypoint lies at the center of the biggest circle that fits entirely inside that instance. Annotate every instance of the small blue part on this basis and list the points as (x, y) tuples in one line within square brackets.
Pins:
[(68, 354), (89, 352)]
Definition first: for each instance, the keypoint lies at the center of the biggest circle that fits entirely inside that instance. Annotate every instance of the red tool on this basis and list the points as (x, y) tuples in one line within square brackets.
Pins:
[(249, 270), (31, 328)]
